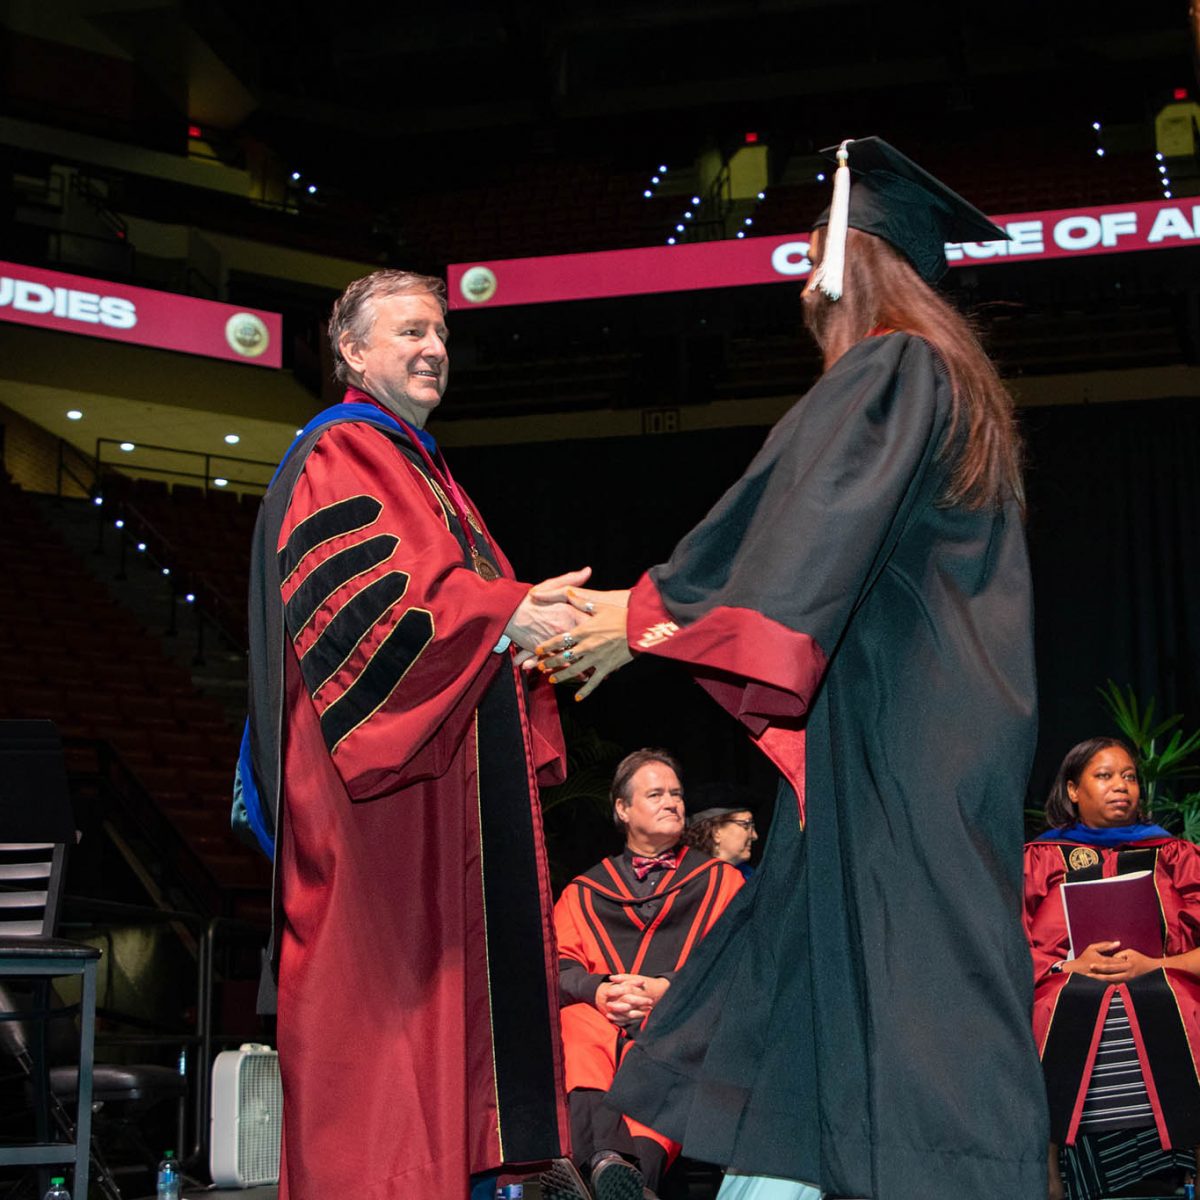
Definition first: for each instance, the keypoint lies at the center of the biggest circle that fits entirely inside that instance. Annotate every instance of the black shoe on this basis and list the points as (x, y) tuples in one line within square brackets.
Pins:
[(561, 1181), (613, 1178)]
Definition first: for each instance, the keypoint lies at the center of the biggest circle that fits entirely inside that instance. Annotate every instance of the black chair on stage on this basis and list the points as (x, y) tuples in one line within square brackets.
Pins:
[(36, 827), (41, 1045)]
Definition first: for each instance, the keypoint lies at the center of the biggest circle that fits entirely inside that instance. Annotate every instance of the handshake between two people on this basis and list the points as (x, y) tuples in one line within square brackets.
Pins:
[(572, 633)]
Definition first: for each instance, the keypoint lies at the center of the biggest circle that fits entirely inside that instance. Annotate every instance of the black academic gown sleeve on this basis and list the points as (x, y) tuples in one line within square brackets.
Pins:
[(756, 598)]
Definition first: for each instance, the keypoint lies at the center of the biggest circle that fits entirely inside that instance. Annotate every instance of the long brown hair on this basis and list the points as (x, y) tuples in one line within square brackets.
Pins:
[(882, 289)]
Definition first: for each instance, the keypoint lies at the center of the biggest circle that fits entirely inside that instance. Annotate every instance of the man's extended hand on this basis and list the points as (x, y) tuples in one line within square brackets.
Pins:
[(535, 620)]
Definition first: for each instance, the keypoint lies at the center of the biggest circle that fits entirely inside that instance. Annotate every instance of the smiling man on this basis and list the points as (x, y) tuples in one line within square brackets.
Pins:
[(624, 928), (398, 748)]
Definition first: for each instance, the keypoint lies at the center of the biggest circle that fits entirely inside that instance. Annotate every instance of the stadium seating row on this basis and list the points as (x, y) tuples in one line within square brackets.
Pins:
[(69, 653)]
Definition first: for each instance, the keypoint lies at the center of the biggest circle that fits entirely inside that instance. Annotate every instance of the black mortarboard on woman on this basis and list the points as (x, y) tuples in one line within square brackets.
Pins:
[(880, 191)]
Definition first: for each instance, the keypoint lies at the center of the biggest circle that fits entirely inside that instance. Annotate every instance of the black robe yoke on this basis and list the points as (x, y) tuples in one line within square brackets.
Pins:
[(860, 1016)]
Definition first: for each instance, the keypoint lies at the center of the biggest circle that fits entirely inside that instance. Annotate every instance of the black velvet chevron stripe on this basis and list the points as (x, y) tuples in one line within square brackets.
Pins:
[(378, 679), (1067, 1045), (355, 512), (519, 976), (349, 626), (336, 570)]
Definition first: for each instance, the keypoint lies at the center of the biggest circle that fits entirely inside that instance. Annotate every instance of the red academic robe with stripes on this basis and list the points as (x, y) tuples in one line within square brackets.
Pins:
[(418, 1030), (606, 929), (1163, 1006)]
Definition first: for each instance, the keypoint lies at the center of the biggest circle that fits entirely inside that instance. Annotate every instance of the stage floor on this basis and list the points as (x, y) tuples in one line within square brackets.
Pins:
[(271, 1192), (266, 1192)]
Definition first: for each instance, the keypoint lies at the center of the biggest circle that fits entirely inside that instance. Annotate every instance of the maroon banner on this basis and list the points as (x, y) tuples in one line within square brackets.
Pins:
[(1061, 233), (119, 313)]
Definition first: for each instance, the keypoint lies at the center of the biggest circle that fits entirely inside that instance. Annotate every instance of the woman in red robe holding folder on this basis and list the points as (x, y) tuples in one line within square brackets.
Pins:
[(1118, 1030)]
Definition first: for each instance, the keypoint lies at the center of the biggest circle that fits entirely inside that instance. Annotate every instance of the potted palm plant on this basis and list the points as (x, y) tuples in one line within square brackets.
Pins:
[(1167, 765)]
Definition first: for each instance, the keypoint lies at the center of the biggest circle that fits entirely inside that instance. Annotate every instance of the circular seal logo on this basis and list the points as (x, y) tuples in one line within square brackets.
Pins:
[(478, 284), (1082, 857), (246, 334)]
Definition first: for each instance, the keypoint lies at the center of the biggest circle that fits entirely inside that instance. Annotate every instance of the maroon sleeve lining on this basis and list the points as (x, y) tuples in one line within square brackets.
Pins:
[(757, 669)]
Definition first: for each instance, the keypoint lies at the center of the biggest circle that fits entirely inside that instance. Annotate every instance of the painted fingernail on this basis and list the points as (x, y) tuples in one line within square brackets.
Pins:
[(552, 679)]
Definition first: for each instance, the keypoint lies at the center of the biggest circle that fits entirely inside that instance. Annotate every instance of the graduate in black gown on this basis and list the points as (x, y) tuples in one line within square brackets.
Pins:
[(858, 1020)]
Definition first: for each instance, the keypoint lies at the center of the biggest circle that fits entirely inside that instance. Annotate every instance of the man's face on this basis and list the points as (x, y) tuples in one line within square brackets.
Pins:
[(654, 811), (403, 361)]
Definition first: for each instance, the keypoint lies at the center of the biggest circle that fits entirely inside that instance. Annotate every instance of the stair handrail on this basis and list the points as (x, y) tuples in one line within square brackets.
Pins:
[(65, 470), (196, 583), (173, 473)]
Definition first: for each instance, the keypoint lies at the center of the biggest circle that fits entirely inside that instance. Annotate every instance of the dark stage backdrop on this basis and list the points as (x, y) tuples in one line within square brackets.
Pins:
[(1114, 532)]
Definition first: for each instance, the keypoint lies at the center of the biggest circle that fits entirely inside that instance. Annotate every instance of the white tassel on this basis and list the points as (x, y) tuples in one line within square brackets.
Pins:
[(830, 275)]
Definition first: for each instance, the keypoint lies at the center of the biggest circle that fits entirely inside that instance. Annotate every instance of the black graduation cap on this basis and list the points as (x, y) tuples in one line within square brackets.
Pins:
[(902, 203)]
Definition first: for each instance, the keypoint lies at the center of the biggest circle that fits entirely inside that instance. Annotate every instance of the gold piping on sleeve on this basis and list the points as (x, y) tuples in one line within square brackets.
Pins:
[(358, 575), (343, 533), (399, 679), (370, 629)]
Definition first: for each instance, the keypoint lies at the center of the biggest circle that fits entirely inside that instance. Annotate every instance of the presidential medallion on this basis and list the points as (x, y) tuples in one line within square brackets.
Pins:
[(483, 568), (1082, 857)]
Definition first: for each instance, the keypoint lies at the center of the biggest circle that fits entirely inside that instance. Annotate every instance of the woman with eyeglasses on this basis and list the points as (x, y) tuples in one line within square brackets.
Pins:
[(724, 833)]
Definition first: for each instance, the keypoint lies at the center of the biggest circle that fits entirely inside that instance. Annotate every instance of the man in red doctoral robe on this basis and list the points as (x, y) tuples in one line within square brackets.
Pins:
[(398, 747), (624, 929)]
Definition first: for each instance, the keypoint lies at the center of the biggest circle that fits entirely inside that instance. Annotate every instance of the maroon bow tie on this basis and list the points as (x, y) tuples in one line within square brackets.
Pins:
[(668, 860)]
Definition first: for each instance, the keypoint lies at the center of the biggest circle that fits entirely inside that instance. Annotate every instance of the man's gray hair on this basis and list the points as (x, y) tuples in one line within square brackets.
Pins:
[(354, 310)]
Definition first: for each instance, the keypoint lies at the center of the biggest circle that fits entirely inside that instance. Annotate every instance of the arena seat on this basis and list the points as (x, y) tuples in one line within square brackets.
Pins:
[(69, 653)]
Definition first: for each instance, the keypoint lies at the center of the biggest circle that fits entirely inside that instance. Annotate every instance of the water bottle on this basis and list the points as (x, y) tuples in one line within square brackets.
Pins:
[(168, 1177), (58, 1189)]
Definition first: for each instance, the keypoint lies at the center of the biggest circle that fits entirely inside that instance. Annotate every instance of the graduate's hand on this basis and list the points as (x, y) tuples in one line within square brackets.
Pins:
[(593, 650), (1096, 962), (554, 590), (584, 599), (536, 620)]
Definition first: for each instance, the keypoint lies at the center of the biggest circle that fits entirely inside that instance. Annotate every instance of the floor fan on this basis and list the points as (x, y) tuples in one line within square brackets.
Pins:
[(247, 1117)]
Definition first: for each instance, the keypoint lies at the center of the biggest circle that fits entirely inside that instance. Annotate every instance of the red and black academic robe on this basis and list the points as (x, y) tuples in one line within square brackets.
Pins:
[(859, 1019), (418, 1030), (607, 929), (1163, 1006)]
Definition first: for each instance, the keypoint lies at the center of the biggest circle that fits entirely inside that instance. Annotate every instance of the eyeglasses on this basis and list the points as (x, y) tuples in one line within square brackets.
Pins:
[(747, 825)]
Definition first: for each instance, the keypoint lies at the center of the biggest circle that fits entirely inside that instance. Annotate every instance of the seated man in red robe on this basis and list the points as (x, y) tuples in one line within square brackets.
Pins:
[(624, 928)]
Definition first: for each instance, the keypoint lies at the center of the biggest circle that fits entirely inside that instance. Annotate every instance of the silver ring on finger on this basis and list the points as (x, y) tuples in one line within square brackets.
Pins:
[(568, 655), (568, 641)]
